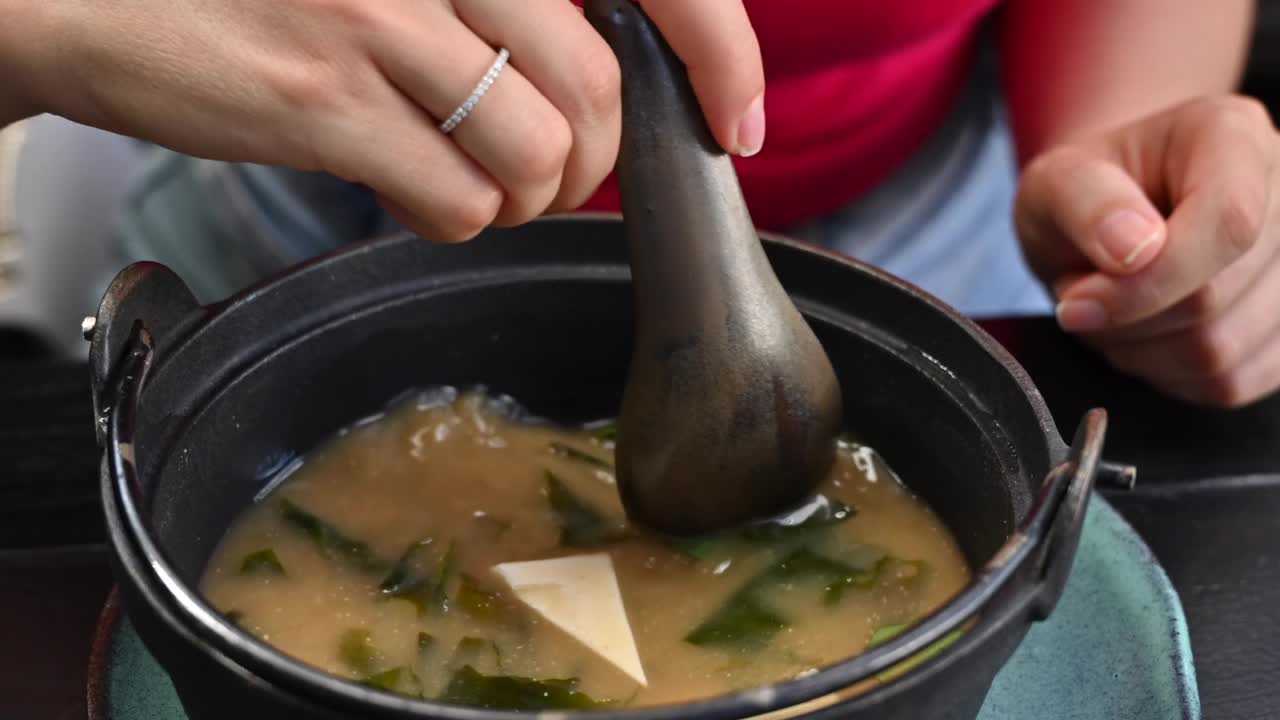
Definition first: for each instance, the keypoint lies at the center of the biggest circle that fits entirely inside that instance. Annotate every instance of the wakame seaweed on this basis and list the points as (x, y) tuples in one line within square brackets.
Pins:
[(328, 539), (805, 562), (357, 650), (262, 562), (746, 620), (444, 572), (581, 525), (426, 641), (572, 453), (509, 692), (606, 432), (471, 651), (857, 577), (400, 680), (742, 621), (700, 547), (409, 572), (420, 576), (478, 601)]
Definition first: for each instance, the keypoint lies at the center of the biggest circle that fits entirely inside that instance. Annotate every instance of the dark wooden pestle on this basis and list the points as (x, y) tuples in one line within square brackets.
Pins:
[(731, 407)]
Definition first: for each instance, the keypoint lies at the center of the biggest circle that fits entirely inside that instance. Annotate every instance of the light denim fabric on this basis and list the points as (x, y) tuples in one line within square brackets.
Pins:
[(223, 226), (942, 221)]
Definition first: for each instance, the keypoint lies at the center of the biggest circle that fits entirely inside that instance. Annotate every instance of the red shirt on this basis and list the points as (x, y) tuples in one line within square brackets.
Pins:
[(852, 88)]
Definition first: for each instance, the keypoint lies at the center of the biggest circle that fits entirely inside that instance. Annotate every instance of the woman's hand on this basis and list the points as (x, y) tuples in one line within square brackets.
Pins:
[(358, 88), (1161, 241)]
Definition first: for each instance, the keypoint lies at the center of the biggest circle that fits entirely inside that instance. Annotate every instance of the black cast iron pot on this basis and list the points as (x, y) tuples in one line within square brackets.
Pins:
[(200, 406)]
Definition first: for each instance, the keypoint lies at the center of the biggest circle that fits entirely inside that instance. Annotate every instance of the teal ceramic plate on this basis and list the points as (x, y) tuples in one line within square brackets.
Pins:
[(1116, 647)]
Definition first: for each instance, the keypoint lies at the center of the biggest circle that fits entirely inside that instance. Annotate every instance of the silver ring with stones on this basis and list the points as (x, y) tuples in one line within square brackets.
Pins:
[(482, 87)]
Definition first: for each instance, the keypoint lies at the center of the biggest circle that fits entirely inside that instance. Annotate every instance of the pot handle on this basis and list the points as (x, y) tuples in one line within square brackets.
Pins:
[(1082, 467), (144, 292)]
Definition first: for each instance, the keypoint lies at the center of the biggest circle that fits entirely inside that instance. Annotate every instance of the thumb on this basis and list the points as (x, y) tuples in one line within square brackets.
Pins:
[(1076, 212), (715, 41)]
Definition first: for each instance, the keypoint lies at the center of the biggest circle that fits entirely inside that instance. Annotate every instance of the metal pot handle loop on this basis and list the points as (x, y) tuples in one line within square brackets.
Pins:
[(145, 292), (1082, 467)]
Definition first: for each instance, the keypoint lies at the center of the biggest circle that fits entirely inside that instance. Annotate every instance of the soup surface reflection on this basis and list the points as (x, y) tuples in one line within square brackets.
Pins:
[(378, 559)]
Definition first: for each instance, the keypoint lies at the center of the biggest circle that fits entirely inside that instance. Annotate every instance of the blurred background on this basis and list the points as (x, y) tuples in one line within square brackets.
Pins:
[(61, 185)]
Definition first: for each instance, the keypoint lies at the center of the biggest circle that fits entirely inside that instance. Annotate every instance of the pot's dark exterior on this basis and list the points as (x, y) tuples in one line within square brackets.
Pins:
[(199, 406)]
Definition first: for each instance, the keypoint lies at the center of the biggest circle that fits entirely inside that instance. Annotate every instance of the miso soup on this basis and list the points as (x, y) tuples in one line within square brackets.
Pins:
[(454, 551)]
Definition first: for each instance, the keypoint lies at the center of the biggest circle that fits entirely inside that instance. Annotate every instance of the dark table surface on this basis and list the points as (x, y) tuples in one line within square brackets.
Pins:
[(1208, 503)]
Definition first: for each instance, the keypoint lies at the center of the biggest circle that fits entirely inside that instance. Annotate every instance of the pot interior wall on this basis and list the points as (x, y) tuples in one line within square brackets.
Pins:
[(560, 346)]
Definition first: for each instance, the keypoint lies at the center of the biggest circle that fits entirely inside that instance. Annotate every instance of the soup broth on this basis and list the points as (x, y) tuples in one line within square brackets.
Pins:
[(375, 560)]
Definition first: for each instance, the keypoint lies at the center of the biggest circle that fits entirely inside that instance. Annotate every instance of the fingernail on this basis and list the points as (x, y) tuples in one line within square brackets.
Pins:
[(1127, 235), (1081, 315), (751, 129)]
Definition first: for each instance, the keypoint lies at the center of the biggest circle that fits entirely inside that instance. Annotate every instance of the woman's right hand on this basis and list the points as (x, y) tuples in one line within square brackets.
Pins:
[(358, 88)]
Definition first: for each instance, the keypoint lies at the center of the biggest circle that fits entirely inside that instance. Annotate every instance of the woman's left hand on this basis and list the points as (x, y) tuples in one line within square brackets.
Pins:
[(1161, 242)]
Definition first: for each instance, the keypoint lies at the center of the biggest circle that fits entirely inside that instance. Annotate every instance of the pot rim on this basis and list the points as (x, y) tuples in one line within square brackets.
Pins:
[(184, 605)]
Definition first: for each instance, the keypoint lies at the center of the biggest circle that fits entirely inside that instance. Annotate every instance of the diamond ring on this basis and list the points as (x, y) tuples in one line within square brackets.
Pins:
[(482, 87)]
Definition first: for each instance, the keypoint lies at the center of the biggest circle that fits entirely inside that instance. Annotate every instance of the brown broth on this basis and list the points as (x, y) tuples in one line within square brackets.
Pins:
[(460, 472)]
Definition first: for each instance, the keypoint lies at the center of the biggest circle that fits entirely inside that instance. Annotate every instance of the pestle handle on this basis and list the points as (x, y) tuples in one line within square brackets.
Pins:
[(683, 205), (731, 406)]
